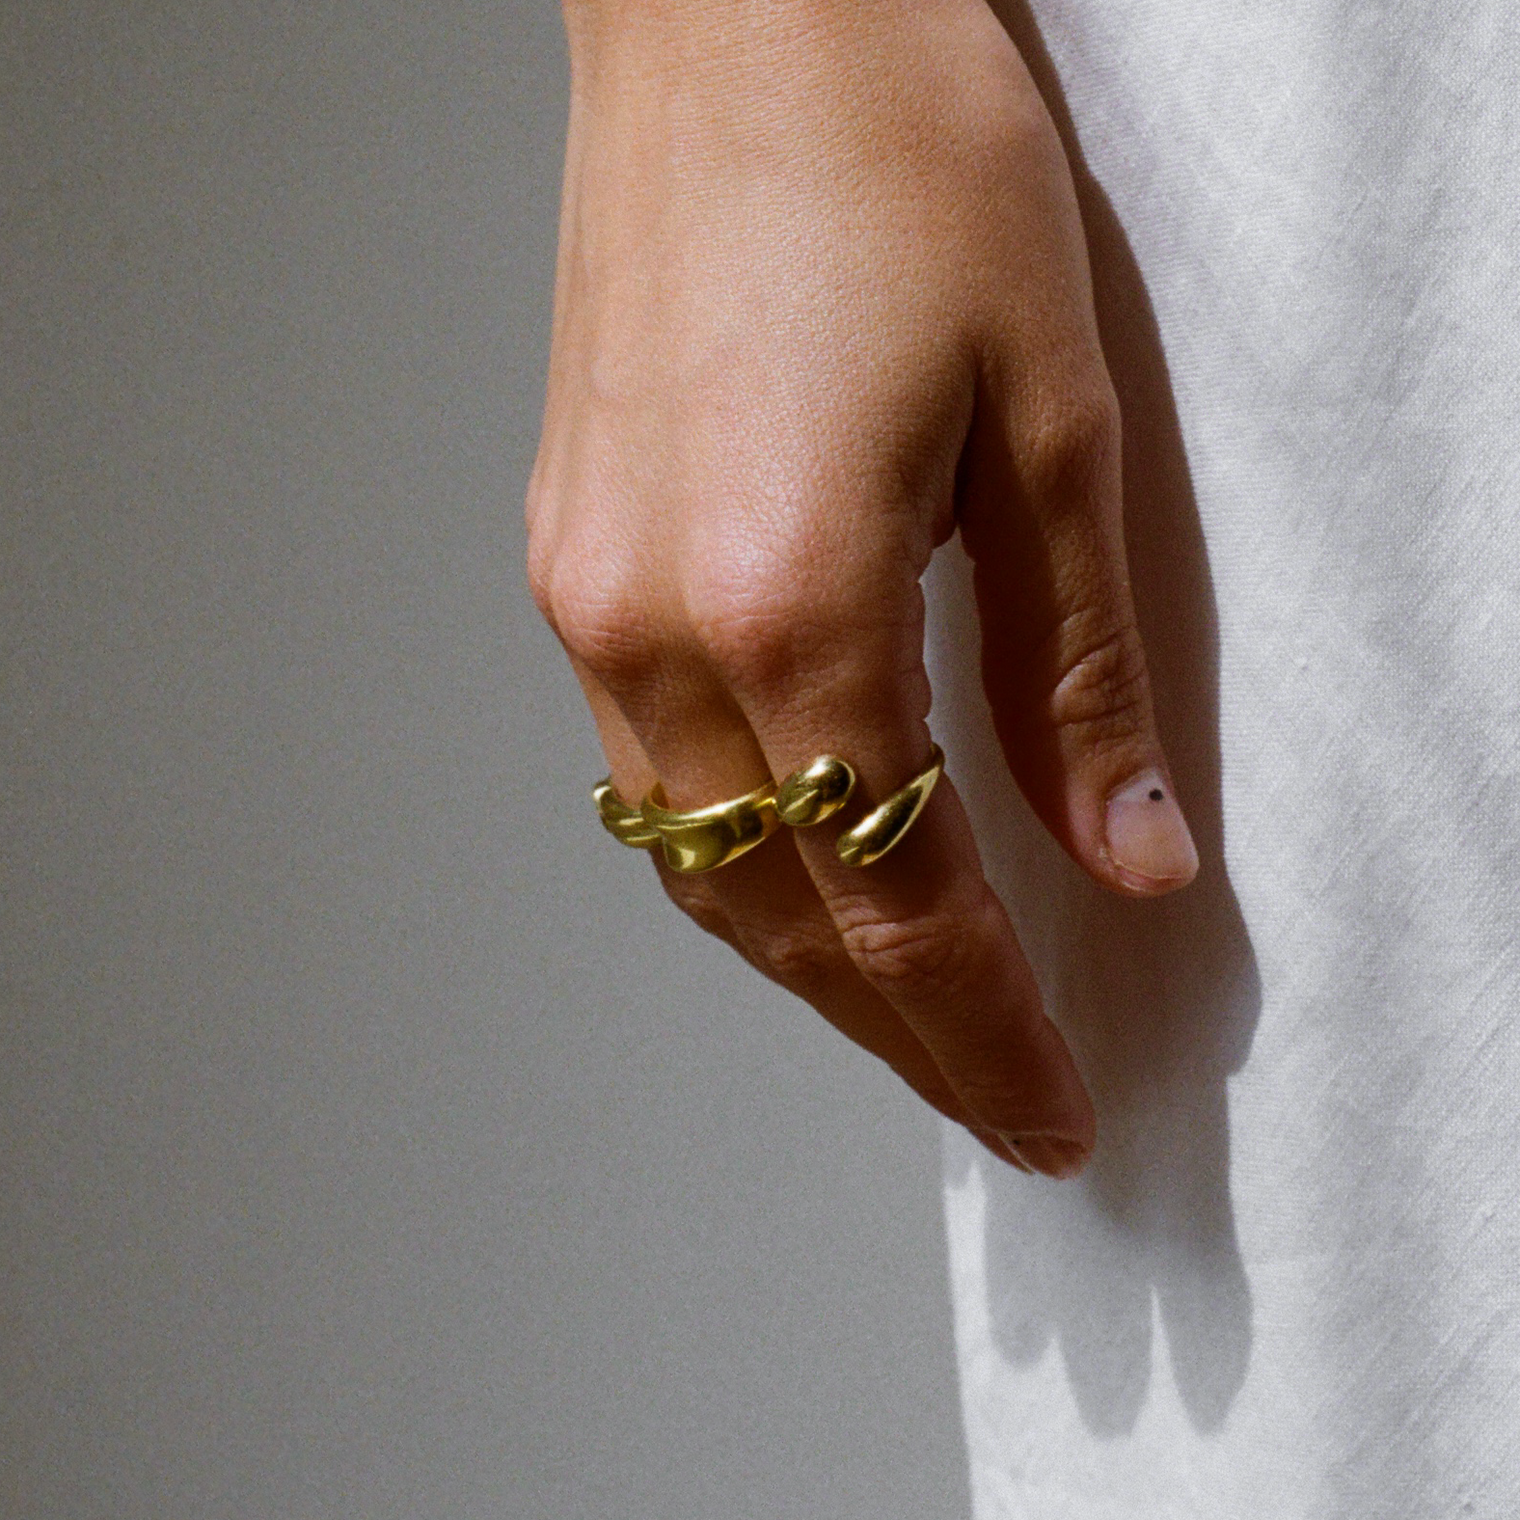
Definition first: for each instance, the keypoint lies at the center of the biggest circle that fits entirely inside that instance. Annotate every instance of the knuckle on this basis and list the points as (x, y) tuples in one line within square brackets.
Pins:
[(755, 616), (796, 958), (910, 957), (1102, 687), (536, 499), (1074, 447), (753, 634), (541, 576), (598, 601), (540, 520), (782, 618)]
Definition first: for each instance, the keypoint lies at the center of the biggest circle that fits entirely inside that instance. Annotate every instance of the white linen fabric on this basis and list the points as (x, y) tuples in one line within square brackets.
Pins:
[(1289, 1285)]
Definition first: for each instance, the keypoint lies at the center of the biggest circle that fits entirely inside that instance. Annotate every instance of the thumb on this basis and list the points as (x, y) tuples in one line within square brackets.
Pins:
[(1062, 659)]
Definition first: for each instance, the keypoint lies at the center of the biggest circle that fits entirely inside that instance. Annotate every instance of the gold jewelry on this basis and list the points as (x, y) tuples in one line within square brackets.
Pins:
[(702, 839), (815, 792), (706, 838), (884, 826), (621, 819)]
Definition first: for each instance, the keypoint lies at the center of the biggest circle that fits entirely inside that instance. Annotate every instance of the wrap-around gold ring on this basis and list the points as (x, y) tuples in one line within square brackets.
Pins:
[(884, 826), (621, 819), (702, 839), (705, 838)]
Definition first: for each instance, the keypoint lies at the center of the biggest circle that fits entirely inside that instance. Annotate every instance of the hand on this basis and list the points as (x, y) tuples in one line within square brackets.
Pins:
[(823, 298)]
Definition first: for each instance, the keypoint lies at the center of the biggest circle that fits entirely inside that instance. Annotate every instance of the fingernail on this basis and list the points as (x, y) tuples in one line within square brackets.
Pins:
[(1055, 1158), (1148, 838), (1003, 1150)]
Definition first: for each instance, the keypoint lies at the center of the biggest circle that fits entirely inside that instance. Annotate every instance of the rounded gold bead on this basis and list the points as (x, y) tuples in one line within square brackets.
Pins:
[(815, 792)]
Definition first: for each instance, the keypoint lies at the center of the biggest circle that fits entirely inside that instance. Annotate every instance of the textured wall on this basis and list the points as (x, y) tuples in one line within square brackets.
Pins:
[(374, 1140)]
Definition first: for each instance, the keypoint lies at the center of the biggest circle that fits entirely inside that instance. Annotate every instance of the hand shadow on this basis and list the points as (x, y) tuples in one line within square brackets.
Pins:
[(1158, 999)]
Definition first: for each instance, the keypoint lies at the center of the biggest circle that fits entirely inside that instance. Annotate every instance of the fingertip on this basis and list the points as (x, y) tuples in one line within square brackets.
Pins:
[(1004, 1150), (1054, 1137), (1050, 1155)]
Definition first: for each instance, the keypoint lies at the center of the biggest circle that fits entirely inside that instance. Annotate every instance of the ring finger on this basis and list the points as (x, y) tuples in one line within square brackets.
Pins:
[(764, 904)]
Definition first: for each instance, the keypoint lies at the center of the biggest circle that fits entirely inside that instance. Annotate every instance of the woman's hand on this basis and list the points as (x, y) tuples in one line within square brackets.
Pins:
[(823, 297)]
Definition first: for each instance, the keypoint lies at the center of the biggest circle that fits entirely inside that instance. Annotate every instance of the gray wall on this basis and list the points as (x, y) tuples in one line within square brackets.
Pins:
[(374, 1139)]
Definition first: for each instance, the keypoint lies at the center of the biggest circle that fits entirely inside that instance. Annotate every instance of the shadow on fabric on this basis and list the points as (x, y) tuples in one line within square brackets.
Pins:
[(1159, 999)]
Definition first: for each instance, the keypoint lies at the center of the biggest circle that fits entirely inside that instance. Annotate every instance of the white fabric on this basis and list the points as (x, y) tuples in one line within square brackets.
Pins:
[(1289, 1286)]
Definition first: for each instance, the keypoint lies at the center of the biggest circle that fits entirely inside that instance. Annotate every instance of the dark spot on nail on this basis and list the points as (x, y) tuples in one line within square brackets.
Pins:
[(1157, 795)]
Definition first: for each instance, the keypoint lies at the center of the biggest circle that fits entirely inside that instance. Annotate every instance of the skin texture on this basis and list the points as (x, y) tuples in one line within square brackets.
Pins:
[(823, 298)]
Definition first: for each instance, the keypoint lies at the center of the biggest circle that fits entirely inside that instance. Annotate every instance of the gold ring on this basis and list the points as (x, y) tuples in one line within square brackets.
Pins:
[(705, 838), (882, 828), (815, 792), (621, 819), (702, 839)]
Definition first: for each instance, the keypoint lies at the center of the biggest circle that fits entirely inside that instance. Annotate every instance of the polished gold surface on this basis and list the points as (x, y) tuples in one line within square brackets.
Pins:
[(621, 819), (815, 792), (702, 839), (884, 826), (706, 838)]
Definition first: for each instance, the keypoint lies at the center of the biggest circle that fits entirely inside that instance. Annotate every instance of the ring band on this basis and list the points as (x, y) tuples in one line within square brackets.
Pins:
[(621, 819), (702, 839), (705, 838), (883, 827)]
